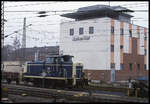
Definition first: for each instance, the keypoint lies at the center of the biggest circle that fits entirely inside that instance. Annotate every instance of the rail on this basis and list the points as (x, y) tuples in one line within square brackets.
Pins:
[(71, 95)]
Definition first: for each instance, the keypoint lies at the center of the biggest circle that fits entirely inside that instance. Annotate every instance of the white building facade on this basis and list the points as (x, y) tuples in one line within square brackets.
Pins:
[(100, 43)]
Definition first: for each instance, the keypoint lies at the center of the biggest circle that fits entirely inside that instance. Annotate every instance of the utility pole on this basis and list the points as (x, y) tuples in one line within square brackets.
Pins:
[(24, 42), (24, 34), (2, 34), (2, 24)]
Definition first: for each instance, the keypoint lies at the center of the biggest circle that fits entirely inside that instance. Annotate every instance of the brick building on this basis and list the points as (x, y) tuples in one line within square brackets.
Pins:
[(104, 40)]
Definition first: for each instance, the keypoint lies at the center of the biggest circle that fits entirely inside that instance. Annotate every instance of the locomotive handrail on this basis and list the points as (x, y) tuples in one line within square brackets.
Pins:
[(63, 78)]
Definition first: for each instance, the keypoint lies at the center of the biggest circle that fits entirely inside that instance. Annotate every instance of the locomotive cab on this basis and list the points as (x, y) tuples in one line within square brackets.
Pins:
[(59, 59), (67, 58)]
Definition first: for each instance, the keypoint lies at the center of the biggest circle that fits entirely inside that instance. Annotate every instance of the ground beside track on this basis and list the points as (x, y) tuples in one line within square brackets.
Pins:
[(30, 99)]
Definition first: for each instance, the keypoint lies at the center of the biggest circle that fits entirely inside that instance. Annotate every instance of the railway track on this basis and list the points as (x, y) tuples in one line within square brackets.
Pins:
[(82, 96), (92, 89), (122, 91)]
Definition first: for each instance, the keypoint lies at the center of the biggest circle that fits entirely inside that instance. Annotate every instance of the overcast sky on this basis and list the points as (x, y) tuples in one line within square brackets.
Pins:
[(45, 31)]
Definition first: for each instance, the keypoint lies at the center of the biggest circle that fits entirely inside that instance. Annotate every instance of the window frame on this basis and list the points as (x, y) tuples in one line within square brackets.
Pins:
[(121, 66), (112, 29), (91, 28), (145, 51), (112, 65), (112, 48), (130, 33), (81, 32), (145, 38), (145, 66), (130, 66), (138, 67), (138, 33), (121, 46), (71, 33), (121, 31)]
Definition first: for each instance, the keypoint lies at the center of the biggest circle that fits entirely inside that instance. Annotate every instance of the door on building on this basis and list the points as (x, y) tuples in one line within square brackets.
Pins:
[(112, 75)]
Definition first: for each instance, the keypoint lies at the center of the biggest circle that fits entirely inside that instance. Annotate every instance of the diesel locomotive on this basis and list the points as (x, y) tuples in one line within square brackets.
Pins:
[(55, 71)]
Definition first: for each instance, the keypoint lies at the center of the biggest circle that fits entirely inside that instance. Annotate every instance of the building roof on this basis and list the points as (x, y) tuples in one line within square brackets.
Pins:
[(98, 11), (121, 9)]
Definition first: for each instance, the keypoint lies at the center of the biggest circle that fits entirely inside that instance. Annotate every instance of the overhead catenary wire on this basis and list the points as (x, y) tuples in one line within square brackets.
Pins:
[(69, 11), (135, 4), (138, 19), (16, 31), (29, 4), (55, 11), (47, 16)]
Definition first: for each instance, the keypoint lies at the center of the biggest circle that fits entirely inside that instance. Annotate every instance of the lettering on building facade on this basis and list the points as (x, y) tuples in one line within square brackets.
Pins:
[(78, 38)]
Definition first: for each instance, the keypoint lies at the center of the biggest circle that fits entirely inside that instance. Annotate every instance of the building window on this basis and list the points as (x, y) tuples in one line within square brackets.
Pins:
[(138, 33), (145, 66), (121, 46), (112, 48), (71, 32), (121, 31), (145, 52), (80, 31), (91, 30), (112, 29), (130, 33), (138, 66), (113, 65), (130, 66), (121, 66), (145, 38)]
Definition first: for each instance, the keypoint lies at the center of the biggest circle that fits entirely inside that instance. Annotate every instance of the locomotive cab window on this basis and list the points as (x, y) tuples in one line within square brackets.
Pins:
[(55, 60), (50, 59), (60, 59)]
